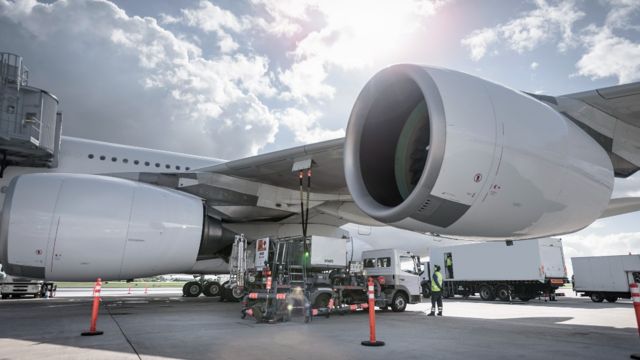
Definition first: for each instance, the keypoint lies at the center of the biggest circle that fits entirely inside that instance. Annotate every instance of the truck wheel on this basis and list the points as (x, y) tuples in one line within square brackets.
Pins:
[(597, 297), (426, 292), (399, 302), (611, 298), (321, 301), (466, 293), (191, 289), (233, 294), (486, 293), (503, 292), (447, 293), (211, 288)]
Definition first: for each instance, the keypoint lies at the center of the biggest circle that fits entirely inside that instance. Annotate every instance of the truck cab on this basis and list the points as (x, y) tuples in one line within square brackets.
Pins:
[(401, 273)]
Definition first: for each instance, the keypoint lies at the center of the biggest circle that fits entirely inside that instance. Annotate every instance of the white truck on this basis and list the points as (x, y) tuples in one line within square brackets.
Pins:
[(522, 269), (401, 272), (18, 287), (605, 277), (315, 270)]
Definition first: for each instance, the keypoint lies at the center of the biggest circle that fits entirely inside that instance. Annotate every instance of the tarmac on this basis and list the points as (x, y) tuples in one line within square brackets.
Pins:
[(161, 324)]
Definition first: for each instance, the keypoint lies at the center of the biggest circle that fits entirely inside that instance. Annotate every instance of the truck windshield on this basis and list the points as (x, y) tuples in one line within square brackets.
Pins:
[(408, 264)]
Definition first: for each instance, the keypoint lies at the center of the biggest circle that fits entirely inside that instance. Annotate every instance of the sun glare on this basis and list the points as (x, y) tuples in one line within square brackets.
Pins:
[(367, 31)]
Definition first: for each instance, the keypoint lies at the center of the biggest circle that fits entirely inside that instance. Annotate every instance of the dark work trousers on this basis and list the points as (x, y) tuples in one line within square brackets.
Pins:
[(436, 297)]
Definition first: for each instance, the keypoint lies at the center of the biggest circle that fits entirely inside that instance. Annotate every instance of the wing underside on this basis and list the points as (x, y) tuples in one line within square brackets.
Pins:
[(266, 187), (609, 115)]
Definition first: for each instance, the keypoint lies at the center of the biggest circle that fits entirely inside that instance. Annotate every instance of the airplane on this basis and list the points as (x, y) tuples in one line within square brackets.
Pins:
[(427, 150)]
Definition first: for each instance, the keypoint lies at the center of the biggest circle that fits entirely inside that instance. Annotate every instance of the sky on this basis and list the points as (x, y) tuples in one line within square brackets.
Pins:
[(233, 78)]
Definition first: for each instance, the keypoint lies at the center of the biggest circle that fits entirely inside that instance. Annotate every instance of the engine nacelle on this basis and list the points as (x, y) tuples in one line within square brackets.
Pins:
[(80, 227), (436, 150)]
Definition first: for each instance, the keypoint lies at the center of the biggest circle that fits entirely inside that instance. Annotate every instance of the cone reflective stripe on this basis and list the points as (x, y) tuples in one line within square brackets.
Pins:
[(94, 310), (268, 282), (372, 319), (635, 296)]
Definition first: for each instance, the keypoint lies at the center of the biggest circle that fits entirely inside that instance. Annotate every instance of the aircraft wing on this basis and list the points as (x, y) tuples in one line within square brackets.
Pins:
[(612, 117), (266, 187), (276, 168), (621, 206)]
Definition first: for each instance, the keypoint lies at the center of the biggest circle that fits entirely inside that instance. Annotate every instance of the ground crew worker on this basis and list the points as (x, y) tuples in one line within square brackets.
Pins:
[(449, 264), (436, 291)]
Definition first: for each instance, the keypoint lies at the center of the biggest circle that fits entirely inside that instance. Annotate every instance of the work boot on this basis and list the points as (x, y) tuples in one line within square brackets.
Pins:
[(439, 313), (432, 313)]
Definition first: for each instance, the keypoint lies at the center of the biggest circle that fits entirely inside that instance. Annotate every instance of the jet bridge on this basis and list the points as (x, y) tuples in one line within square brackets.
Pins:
[(30, 123)]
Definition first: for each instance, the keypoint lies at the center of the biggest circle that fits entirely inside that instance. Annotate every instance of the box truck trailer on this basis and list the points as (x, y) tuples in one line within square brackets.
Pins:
[(605, 277), (522, 269)]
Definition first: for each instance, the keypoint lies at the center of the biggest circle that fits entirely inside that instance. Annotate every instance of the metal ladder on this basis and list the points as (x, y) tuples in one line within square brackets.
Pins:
[(238, 262)]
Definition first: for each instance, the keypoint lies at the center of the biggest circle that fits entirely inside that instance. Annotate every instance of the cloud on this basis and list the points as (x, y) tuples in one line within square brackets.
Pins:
[(532, 28), (125, 72), (211, 19), (629, 187), (306, 79), (304, 126), (343, 35), (479, 41), (623, 14), (285, 17), (596, 245), (609, 55)]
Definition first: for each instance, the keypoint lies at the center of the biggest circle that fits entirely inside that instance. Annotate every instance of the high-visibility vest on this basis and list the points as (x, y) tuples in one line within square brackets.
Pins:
[(449, 261), (436, 282)]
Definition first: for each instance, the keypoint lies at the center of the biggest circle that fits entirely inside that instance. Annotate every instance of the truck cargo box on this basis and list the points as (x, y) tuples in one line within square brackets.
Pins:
[(327, 252), (522, 260), (604, 273)]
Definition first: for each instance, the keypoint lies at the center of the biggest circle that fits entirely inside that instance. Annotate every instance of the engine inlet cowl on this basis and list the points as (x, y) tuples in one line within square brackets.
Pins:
[(435, 150), (395, 145)]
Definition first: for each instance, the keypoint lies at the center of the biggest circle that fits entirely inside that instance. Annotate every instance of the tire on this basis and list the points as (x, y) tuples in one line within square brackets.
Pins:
[(399, 302), (426, 292), (611, 298), (192, 289), (211, 288), (321, 301), (486, 293), (447, 293), (466, 293), (596, 297), (502, 292), (235, 294)]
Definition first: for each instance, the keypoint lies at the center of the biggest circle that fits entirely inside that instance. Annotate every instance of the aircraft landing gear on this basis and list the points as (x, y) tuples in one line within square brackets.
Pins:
[(192, 289)]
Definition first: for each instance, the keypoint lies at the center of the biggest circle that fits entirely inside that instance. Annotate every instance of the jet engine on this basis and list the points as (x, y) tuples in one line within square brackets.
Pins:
[(80, 227), (435, 150)]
